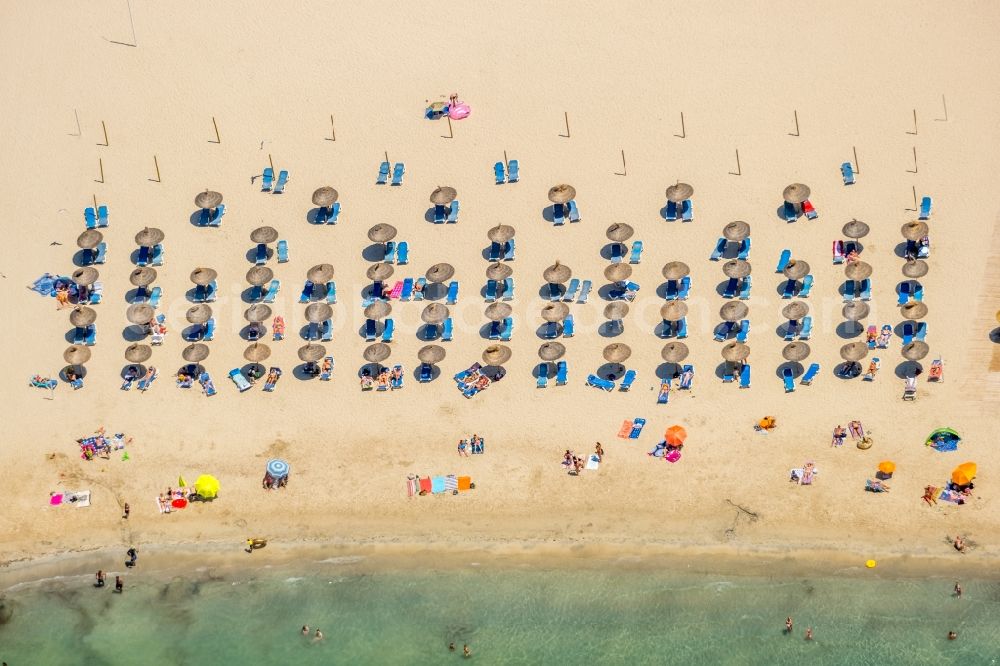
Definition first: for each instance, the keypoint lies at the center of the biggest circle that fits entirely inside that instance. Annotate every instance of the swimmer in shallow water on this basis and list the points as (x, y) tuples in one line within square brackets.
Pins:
[(466, 652), (305, 629), (318, 636)]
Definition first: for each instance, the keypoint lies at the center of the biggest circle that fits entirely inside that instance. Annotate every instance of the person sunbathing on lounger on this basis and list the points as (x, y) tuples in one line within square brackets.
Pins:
[(838, 435), (383, 379), (930, 495), (278, 328), (367, 382)]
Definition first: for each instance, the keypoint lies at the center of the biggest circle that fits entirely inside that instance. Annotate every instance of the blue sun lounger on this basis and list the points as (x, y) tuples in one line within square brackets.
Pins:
[(156, 259), (745, 289), (908, 333), (370, 329), (791, 330), (550, 330), (331, 292), (307, 292), (279, 187), (616, 253), (282, 251), (426, 373), (687, 378), (261, 257), (866, 290), (925, 208), (574, 286), (741, 335), (789, 289), (786, 256), (508, 329), (568, 326), (79, 335), (389, 252), (513, 171), (921, 332), (727, 374), (453, 212), (744, 251), (239, 379), (508, 289), (720, 249), (811, 373), (102, 216), (498, 173), (452, 296), (491, 291), (90, 216), (97, 293), (722, 331), (268, 180), (682, 328), (272, 291), (440, 214), (388, 330), (543, 375), (210, 219), (849, 294), (585, 291), (731, 286), (663, 397), (495, 328), (636, 256), (671, 292), (904, 292), (418, 294), (637, 426), (807, 327), (100, 255), (322, 215), (627, 381), (918, 291), (446, 333), (786, 376), (509, 251), (397, 173), (847, 171), (142, 258), (383, 174), (334, 213), (685, 288), (403, 253), (209, 330), (687, 210), (807, 283), (562, 373), (745, 376), (555, 291), (790, 214), (312, 331), (574, 211), (606, 384), (326, 330), (558, 214), (671, 213), (496, 251), (154, 297)]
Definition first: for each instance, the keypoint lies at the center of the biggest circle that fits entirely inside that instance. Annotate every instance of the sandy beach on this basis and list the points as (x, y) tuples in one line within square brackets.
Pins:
[(743, 77)]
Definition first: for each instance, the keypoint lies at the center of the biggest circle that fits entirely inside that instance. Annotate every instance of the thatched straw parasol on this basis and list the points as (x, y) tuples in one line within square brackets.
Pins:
[(916, 350), (434, 313), (679, 192), (136, 353), (259, 275), (440, 272), (914, 310), (736, 231), (203, 276), (379, 272), (616, 310), (257, 352), (733, 311), (673, 310), (258, 312), (795, 310), (85, 276), (557, 273), (736, 268), (377, 310), (381, 233), (854, 351), (81, 316), (208, 199), (617, 272), (431, 354), (320, 274), (617, 352), (500, 233), (796, 269), (317, 312), (89, 239), (855, 311), (795, 351), (561, 194), (498, 311), (264, 235), (325, 196), (555, 311), (140, 313), (141, 277), (198, 314), (76, 354), (311, 352), (796, 193), (855, 229), (858, 270), (497, 354), (619, 232), (674, 352), (195, 353), (442, 196), (915, 230), (675, 270), (551, 351), (498, 271), (377, 352), (149, 237), (735, 351), (916, 268)]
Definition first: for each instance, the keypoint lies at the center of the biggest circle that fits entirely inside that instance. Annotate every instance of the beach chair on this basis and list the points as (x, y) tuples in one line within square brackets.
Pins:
[(215, 219), (671, 292), (918, 291), (446, 333), (744, 252), (627, 381), (851, 246), (811, 373), (924, 248), (685, 288), (786, 256), (637, 426), (268, 180), (550, 330), (322, 215), (849, 290), (207, 385), (387, 330), (407, 292), (96, 293), (558, 214), (731, 286), (326, 331), (936, 371), (791, 330), (239, 379), (498, 173), (605, 384), (496, 251), (79, 334), (671, 212), (426, 373), (209, 330), (279, 187), (722, 331), (925, 209), (325, 375), (383, 174), (745, 289), (142, 258), (418, 294), (568, 326), (807, 325), (865, 291), (741, 335), (910, 389), (494, 333), (440, 214), (334, 213), (663, 397), (90, 217), (389, 252), (491, 291), (809, 210), (745, 376), (508, 289), (101, 254), (331, 292), (452, 296), (790, 214), (513, 171), (682, 328), (838, 252), (312, 332), (102, 216), (307, 292), (509, 251), (908, 332), (555, 291), (453, 212), (403, 253), (574, 286), (508, 329), (872, 335), (562, 373), (786, 376), (154, 297), (145, 383), (585, 291), (269, 386), (616, 253), (720, 249), (921, 332), (636, 255), (574, 211), (261, 257), (398, 170), (272, 291), (727, 373), (543, 375), (370, 330), (789, 289), (687, 378), (807, 283), (282, 251), (687, 210), (156, 257), (141, 295), (847, 171)]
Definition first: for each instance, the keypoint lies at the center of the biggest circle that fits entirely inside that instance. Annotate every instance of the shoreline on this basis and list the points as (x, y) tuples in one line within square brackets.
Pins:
[(759, 560)]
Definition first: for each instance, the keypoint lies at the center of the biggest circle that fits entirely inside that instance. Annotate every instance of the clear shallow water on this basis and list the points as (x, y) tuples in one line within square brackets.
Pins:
[(507, 617)]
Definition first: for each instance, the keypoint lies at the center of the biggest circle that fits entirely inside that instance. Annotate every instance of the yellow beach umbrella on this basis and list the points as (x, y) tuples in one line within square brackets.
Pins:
[(207, 486), (969, 468), (887, 467), (180, 482)]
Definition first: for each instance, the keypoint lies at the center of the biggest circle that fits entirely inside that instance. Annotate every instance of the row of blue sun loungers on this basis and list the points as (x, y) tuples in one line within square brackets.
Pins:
[(678, 289), (512, 175), (397, 173), (212, 218), (502, 330), (788, 377), (552, 330), (328, 215), (608, 385), (686, 211), (722, 244), (206, 293), (149, 256), (267, 182), (397, 253), (861, 289), (562, 374), (499, 289), (910, 290), (739, 286), (618, 252), (798, 329), (309, 292), (96, 219), (561, 211), (447, 214), (268, 294), (796, 288), (201, 332), (727, 329), (502, 251)]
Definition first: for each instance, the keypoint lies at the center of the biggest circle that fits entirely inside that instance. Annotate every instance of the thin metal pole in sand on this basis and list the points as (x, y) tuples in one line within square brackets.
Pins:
[(914, 132), (157, 165), (132, 24), (451, 132), (944, 103), (739, 171), (566, 118), (105, 128), (387, 157), (683, 134), (95, 201), (796, 132), (218, 137), (79, 131), (857, 169), (624, 168), (914, 161), (333, 130), (270, 161), (505, 162), (100, 163)]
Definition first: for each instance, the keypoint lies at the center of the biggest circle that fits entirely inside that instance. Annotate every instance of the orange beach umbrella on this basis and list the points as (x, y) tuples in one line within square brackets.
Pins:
[(964, 473), (675, 435), (887, 467)]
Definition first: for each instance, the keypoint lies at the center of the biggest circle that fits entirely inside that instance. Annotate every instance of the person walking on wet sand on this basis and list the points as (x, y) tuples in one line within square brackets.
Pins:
[(128, 510), (466, 652), (133, 555), (958, 590), (809, 633), (100, 579), (119, 584), (788, 625)]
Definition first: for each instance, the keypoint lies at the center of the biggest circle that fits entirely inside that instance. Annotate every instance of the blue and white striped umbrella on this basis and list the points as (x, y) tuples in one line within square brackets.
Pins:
[(277, 468)]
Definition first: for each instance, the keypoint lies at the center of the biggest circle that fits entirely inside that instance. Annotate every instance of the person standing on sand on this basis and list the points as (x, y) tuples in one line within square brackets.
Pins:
[(599, 450), (100, 579), (119, 584), (128, 510), (788, 624), (809, 633), (958, 590)]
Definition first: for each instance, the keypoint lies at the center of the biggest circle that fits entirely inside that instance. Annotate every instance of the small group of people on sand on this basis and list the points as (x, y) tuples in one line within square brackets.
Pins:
[(270, 483), (475, 445), (574, 464)]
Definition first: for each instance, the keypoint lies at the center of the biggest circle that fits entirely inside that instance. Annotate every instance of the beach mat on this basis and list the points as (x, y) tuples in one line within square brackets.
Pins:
[(437, 485), (949, 496), (625, 430), (450, 483), (637, 426), (464, 483), (593, 462), (412, 487), (425, 484)]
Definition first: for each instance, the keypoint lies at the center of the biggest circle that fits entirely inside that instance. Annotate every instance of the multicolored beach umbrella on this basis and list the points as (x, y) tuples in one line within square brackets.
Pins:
[(277, 468)]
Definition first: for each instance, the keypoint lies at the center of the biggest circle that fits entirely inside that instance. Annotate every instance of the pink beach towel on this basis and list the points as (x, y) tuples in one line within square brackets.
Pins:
[(673, 456), (397, 289), (56, 500)]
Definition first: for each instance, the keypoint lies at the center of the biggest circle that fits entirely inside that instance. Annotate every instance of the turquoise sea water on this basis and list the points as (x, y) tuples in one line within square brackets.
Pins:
[(507, 617)]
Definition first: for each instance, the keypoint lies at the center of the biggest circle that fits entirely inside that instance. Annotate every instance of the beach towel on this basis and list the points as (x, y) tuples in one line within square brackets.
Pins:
[(425, 484), (55, 499), (636, 428), (451, 483), (593, 462), (951, 496), (79, 498), (673, 456), (397, 289), (44, 285), (856, 429), (946, 445), (625, 430), (412, 487), (437, 485), (464, 482)]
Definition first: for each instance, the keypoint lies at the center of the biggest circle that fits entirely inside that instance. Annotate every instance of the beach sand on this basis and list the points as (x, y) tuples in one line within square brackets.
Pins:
[(624, 74)]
